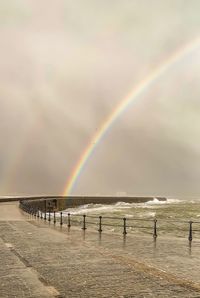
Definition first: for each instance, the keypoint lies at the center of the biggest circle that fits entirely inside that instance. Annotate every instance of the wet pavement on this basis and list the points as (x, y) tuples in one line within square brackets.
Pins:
[(40, 260), (10, 211)]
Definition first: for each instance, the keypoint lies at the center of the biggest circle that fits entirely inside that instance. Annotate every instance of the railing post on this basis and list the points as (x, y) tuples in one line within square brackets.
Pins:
[(190, 231), (84, 222), (100, 224), (49, 219), (124, 232), (155, 229), (69, 221), (54, 217), (41, 214), (61, 219), (38, 213), (45, 210)]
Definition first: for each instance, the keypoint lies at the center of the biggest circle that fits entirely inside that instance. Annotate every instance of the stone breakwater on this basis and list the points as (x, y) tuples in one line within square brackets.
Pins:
[(63, 202), (77, 200)]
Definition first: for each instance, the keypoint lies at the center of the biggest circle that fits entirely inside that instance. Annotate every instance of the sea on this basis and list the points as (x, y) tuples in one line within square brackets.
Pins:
[(173, 217)]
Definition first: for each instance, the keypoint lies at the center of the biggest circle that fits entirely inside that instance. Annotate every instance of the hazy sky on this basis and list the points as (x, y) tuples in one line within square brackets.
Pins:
[(64, 65)]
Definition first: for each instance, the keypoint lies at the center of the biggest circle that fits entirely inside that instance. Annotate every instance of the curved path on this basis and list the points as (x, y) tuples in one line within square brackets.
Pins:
[(10, 211), (38, 260)]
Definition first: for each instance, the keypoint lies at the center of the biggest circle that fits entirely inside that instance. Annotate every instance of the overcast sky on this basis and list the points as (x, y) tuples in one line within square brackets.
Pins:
[(64, 65)]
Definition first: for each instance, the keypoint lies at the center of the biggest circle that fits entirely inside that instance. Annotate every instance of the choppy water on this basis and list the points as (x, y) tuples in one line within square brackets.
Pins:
[(172, 216)]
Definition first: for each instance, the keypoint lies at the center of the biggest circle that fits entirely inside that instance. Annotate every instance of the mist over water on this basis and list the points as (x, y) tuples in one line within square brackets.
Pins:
[(65, 65)]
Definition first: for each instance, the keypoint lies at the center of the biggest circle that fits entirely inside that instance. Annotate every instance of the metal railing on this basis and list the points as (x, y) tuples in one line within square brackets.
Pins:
[(124, 224)]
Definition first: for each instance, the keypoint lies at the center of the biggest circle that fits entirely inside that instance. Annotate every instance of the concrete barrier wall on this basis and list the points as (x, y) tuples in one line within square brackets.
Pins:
[(71, 202), (59, 203)]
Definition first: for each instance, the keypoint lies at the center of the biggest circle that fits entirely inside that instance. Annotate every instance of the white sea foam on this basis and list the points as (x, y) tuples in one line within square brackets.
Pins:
[(141, 215), (91, 208), (155, 201), (120, 206)]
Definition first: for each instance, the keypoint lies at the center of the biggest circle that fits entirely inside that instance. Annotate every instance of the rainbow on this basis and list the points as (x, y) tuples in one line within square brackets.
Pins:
[(123, 105)]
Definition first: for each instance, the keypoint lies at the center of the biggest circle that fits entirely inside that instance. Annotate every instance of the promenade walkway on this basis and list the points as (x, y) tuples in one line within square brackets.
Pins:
[(40, 260)]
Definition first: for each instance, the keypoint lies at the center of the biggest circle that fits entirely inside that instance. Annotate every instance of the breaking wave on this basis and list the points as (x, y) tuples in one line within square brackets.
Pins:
[(120, 207)]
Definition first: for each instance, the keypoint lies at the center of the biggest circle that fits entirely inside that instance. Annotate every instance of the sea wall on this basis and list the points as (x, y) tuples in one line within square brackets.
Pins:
[(58, 203), (72, 202)]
